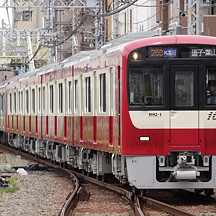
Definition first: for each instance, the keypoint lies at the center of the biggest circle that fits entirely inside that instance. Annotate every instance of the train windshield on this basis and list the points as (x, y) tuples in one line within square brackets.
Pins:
[(211, 86), (145, 86)]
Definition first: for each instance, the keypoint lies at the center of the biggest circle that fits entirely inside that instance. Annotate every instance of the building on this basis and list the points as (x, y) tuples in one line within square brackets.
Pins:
[(172, 13)]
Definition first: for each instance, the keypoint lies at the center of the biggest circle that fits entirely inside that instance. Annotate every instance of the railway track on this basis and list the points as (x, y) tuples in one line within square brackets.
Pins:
[(140, 202)]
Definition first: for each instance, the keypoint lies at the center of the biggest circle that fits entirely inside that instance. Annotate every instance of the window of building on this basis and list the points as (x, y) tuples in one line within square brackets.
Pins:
[(102, 78), (51, 99), (125, 23), (23, 15), (60, 97), (88, 94), (131, 20)]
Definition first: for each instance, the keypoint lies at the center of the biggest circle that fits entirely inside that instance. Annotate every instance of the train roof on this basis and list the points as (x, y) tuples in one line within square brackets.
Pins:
[(130, 40)]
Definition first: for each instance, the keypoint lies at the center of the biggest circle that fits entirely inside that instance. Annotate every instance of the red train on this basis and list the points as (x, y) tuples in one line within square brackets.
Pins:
[(144, 111)]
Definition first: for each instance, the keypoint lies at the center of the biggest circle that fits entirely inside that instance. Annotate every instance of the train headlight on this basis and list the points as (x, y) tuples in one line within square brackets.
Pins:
[(144, 138), (136, 56)]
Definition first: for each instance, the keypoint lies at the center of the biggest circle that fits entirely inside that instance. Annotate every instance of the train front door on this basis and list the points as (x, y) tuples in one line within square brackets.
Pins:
[(184, 121)]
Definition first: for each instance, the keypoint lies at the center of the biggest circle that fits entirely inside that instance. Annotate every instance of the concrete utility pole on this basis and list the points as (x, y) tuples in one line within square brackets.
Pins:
[(195, 16), (46, 35), (175, 12), (115, 21), (99, 32)]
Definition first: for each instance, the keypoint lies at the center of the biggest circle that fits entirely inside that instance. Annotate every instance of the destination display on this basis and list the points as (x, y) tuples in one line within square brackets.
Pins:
[(162, 52), (184, 51)]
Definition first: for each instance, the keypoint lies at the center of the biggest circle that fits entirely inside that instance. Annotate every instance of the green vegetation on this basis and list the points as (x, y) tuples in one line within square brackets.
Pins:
[(12, 186)]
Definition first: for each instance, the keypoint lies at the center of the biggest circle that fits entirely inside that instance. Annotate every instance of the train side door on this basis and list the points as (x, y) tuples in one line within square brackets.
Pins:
[(184, 115)]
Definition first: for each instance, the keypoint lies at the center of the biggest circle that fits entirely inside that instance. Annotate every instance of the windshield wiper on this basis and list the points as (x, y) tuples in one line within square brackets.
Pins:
[(143, 105)]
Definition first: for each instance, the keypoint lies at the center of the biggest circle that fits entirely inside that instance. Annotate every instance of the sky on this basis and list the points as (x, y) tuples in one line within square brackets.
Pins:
[(3, 14)]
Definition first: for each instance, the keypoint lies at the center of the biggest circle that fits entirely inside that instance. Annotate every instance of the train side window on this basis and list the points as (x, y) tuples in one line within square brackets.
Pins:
[(112, 90), (27, 101), (10, 103), (76, 96), (2, 100), (15, 103), (51, 99), (102, 78), (44, 99), (33, 101), (69, 96), (60, 97), (211, 86), (21, 102), (39, 100), (88, 94)]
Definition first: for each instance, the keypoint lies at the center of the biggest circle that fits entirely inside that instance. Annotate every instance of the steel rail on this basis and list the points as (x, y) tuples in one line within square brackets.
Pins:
[(164, 207), (126, 193), (70, 200)]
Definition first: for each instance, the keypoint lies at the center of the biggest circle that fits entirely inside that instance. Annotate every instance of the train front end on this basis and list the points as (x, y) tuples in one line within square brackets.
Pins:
[(169, 112)]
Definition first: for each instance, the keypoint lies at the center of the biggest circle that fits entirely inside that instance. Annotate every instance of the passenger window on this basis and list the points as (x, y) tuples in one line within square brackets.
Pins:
[(211, 86), (60, 97), (10, 103), (146, 86), (69, 97), (15, 103), (51, 99), (102, 78), (44, 99), (88, 94), (39, 100), (27, 101), (33, 101), (184, 88), (76, 96), (2, 101), (21, 102)]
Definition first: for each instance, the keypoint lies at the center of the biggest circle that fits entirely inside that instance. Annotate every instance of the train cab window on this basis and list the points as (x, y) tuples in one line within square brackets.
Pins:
[(33, 101), (88, 94), (184, 88), (211, 86), (27, 101), (146, 86), (76, 96), (15, 104), (60, 97), (102, 78), (51, 99)]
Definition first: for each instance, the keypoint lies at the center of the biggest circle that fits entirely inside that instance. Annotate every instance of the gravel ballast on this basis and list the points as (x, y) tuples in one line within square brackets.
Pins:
[(40, 192)]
